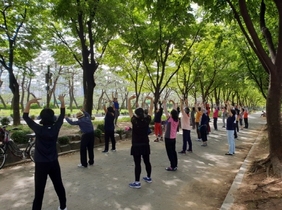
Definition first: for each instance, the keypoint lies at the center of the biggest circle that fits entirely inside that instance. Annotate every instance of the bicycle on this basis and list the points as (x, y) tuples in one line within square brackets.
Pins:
[(8, 143)]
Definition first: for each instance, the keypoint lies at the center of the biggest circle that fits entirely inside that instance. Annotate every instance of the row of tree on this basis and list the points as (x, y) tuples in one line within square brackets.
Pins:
[(160, 46)]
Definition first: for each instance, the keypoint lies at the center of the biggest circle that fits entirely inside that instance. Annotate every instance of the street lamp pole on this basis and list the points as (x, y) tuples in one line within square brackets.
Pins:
[(48, 80)]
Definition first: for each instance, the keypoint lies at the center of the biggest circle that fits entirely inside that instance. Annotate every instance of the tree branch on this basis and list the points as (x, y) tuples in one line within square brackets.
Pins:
[(266, 33)]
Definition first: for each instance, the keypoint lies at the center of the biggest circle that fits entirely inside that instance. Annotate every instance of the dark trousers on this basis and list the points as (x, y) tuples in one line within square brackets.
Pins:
[(204, 132), (186, 139), (116, 116), (237, 126), (241, 122), (110, 135), (171, 153), (42, 170), (215, 123), (87, 144), (235, 130), (198, 131), (137, 162), (246, 122)]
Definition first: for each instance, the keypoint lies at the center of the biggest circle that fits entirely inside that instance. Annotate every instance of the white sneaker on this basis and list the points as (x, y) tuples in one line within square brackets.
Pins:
[(62, 209), (81, 166)]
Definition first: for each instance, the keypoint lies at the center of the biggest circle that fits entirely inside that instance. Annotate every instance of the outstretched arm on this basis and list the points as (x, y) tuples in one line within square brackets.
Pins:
[(32, 101), (62, 100), (151, 105), (129, 105), (165, 109)]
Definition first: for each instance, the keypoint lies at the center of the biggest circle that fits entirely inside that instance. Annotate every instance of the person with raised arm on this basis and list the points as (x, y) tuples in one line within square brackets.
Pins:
[(109, 128), (203, 125), (140, 147), (230, 129), (46, 155), (87, 139), (186, 128), (170, 137), (198, 119), (158, 123)]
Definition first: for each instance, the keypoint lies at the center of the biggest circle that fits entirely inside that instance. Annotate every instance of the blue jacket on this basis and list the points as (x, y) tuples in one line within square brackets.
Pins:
[(84, 123)]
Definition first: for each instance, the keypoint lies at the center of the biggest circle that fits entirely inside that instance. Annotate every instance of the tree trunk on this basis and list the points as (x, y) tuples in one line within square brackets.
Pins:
[(273, 110), (14, 86), (3, 102), (23, 90), (88, 86)]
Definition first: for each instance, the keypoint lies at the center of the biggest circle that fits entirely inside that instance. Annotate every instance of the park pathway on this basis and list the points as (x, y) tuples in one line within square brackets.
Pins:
[(201, 182)]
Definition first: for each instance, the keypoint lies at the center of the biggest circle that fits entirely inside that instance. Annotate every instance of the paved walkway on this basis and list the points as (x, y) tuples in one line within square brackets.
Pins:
[(202, 181)]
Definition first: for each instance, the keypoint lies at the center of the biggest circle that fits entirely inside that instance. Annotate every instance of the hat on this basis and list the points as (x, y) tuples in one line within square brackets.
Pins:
[(47, 117), (79, 115)]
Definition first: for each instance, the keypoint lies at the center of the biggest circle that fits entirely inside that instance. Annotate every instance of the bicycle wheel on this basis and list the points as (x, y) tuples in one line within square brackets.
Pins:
[(2, 157), (31, 151)]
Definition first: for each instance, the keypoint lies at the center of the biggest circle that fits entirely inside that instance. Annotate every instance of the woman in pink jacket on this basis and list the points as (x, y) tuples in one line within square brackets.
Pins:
[(170, 137), (186, 128)]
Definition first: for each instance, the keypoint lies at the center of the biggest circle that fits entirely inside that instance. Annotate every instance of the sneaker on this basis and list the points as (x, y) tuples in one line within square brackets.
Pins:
[(62, 209), (204, 145), (81, 166), (105, 151), (147, 179), (182, 152), (189, 151), (135, 185), (113, 150), (198, 139), (156, 140), (228, 153), (171, 169)]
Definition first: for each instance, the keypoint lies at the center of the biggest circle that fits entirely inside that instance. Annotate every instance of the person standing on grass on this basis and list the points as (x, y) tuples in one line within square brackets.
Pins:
[(230, 130), (186, 128), (87, 139), (46, 155), (140, 142), (170, 137), (109, 128)]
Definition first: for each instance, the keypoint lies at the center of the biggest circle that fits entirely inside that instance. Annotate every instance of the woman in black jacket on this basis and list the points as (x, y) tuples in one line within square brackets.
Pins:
[(46, 156), (140, 142)]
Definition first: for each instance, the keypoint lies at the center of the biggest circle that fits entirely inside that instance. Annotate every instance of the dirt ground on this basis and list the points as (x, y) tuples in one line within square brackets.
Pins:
[(258, 191)]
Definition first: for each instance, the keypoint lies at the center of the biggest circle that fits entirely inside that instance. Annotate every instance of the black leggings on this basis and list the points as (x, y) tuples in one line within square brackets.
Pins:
[(137, 161), (42, 170), (110, 135)]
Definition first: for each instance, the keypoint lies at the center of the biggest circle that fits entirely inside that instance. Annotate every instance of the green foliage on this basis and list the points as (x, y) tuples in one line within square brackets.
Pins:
[(35, 106), (124, 112), (5, 121), (20, 136), (98, 133), (100, 127), (120, 131), (63, 140)]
